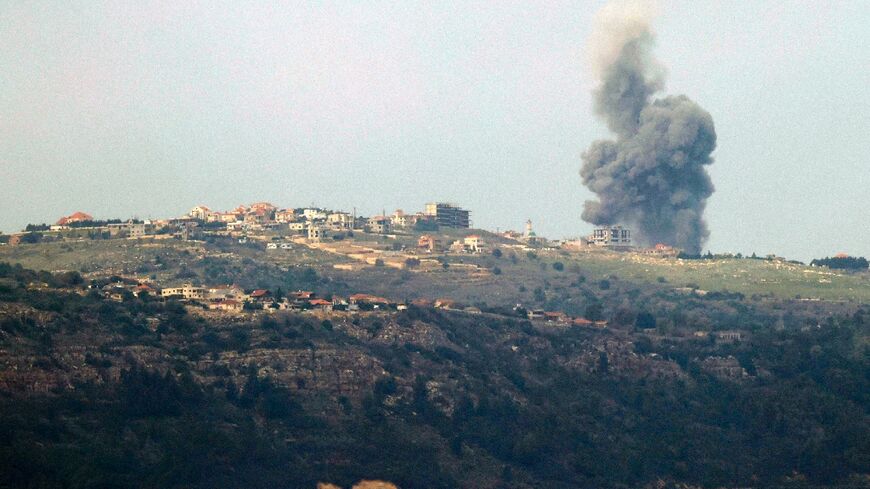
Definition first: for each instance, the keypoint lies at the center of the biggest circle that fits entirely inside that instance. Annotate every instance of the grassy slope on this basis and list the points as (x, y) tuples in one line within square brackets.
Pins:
[(784, 280)]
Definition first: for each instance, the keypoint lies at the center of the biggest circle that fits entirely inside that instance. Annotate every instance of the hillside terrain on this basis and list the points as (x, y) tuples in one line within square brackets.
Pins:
[(713, 373)]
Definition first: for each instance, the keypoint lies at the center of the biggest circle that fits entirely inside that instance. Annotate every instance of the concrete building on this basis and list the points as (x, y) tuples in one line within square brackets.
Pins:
[(430, 244), (298, 227), (339, 220), (611, 237), (200, 212), (474, 244), (448, 215), (186, 291), (378, 225), (316, 233), (129, 229)]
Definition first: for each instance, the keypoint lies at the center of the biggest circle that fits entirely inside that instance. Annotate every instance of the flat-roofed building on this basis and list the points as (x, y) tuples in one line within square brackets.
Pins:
[(611, 236), (448, 215)]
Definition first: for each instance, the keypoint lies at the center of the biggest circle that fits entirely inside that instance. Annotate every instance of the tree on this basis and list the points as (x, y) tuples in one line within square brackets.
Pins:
[(558, 266), (644, 320), (496, 271), (496, 252), (594, 312)]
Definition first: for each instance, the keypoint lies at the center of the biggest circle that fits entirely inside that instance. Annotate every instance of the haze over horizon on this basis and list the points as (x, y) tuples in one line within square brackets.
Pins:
[(127, 109)]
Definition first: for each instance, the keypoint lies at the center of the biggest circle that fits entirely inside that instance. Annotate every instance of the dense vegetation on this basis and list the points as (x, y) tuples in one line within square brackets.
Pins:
[(842, 263), (498, 403)]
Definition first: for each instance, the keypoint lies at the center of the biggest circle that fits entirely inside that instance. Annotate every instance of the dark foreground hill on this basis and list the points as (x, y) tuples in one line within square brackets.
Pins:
[(96, 393)]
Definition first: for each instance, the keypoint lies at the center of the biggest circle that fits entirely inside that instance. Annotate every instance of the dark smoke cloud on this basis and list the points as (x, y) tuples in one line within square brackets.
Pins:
[(652, 178)]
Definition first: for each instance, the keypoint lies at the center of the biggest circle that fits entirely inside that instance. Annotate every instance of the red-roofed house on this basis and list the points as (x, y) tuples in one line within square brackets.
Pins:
[(321, 304), (261, 295), (76, 217)]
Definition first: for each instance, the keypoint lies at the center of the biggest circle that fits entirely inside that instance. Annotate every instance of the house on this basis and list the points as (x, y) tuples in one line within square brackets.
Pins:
[(219, 292), (314, 214), (535, 314), (662, 249), (75, 217), (611, 237), (378, 225), (729, 336), (444, 304), (339, 221), (339, 303), (474, 244), (15, 239), (130, 229), (200, 212), (367, 301), (316, 233), (320, 304), (228, 305), (556, 317), (186, 292), (298, 227), (285, 215), (457, 247), (144, 289), (399, 219), (429, 244), (261, 295), (302, 295)]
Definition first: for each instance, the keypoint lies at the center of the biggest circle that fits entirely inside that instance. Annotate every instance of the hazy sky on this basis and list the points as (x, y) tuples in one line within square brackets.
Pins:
[(148, 108)]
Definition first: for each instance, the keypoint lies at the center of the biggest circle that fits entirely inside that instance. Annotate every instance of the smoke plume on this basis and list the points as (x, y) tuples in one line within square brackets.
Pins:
[(652, 178)]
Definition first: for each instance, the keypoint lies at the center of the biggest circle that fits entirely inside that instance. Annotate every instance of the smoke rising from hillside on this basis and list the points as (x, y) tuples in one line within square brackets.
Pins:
[(652, 178)]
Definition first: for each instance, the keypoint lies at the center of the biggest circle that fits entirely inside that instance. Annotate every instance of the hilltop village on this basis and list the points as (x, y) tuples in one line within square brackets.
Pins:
[(417, 241)]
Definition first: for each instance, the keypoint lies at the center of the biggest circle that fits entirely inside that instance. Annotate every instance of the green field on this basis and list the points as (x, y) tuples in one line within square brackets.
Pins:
[(520, 273)]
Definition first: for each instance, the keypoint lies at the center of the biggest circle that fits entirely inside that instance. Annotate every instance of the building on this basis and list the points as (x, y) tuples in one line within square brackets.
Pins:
[(186, 291), (130, 229), (228, 305), (530, 237), (316, 233), (75, 217), (662, 249), (285, 215), (474, 244), (448, 215), (611, 237), (430, 244), (200, 212), (378, 225), (339, 221)]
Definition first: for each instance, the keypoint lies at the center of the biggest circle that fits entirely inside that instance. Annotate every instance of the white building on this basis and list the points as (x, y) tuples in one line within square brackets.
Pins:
[(611, 236), (200, 212), (316, 233), (186, 291)]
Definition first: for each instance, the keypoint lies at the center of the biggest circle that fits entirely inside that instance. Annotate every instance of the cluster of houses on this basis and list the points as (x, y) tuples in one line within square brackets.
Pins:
[(473, 243), (561, 318), (316, 223), (231, 298)]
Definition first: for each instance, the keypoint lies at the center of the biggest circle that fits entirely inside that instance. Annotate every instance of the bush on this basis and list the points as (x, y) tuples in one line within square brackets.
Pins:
[(558, 266), (496, 253)]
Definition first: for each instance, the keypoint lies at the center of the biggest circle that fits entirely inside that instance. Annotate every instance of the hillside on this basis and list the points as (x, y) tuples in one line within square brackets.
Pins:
[(713, 375)]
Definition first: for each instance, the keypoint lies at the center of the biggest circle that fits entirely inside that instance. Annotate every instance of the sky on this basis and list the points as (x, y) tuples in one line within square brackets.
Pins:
[(149, 108)]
